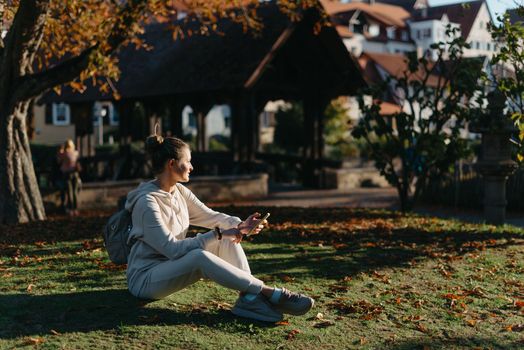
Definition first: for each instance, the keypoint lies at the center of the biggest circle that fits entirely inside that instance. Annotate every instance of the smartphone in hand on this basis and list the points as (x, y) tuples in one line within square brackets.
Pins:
[(255, 226)]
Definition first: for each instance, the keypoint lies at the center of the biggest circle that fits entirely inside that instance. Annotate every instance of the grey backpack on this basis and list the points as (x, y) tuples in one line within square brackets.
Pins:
[(116, 234)]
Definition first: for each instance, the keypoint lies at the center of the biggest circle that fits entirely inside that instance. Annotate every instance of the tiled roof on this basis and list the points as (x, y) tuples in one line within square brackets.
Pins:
[(395, 65), (515, 17), (388, 108), (463, 13), (344, 31), (408, 5), (388, 14)]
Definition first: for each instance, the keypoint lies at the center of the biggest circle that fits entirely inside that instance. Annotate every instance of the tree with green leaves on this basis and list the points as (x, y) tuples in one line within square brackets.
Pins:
[(422, 140), (47, 43), (508, 67)]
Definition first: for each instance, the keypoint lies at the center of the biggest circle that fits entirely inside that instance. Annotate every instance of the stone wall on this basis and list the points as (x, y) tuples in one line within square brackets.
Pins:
[(96, 195), (352, 177)]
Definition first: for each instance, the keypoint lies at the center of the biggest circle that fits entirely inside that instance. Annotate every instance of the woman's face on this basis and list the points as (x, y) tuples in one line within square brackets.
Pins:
[(183, 166)]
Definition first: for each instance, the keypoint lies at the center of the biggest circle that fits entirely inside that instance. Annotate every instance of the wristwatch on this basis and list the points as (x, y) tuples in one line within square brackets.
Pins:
[(218, 233)]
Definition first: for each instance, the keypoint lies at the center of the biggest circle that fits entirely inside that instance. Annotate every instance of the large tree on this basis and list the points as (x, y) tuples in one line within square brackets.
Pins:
[(47, 43)]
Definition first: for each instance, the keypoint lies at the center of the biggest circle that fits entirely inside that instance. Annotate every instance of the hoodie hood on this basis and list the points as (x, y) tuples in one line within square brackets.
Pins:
[(147, 188)]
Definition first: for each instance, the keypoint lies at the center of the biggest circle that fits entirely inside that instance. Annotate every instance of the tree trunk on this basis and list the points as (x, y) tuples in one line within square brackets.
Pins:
[(20, 199)]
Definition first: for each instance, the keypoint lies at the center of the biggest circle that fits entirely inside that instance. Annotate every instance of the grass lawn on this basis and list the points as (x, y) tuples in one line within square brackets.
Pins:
[(380, 280)]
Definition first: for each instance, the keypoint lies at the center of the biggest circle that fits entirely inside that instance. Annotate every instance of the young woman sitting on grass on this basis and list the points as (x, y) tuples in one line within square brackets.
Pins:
[(163, 260)]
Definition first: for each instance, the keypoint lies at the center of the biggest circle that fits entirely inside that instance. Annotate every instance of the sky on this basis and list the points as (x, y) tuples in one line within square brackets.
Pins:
[(495, 6)]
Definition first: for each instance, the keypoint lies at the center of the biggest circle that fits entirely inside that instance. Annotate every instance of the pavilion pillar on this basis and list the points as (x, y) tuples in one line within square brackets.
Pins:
[(201, 110), (175, 116), (125, 112), (314, 106), (244, 130)]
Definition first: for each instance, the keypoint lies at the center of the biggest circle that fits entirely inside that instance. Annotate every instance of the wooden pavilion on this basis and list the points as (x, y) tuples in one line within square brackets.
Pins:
[(286, 60)]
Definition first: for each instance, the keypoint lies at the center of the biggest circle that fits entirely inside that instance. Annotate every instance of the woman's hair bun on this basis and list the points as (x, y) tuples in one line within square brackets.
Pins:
[(153, 143)]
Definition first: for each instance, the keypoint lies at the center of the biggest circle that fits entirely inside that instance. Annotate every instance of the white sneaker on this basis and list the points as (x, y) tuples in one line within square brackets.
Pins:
[(258, 309)]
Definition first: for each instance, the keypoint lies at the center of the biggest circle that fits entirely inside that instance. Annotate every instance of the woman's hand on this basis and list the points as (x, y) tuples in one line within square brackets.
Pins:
[(232, 234), (252, 221)]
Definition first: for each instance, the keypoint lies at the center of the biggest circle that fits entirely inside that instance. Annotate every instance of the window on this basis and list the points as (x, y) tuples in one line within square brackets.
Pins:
[(390, 32), (227, 121), (61, 114), (404, 35), (427, 33), (106, 111), (477, 45), (488, 46), (374, 30)]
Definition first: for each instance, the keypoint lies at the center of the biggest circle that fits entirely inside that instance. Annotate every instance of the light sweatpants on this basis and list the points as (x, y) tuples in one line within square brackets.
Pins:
[(222, 261)]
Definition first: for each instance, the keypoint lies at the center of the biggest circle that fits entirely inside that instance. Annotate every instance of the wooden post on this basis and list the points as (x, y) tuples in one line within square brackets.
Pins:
[(244, 129), (314, 106), (201, 110), (175, 115)]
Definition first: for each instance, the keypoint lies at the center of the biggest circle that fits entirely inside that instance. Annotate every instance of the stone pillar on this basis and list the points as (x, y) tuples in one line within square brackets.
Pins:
[(495, 166), (495, 163)]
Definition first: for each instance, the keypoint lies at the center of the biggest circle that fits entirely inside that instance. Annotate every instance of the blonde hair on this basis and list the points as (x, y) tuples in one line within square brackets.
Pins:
[(69, 145)]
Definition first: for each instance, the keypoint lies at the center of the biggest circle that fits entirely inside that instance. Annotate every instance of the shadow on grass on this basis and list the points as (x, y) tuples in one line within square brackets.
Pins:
[(476, 342), (100, 310), (369, 250)]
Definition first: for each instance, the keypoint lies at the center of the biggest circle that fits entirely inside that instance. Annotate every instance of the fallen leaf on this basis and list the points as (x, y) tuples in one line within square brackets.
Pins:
[(515, 328), (421, 328), (52, 331), (30, 287), (282, 323), (286, 278), (363, 340), (34, 341), (519, 304), (472, 322), (323, 324), (291, 335)]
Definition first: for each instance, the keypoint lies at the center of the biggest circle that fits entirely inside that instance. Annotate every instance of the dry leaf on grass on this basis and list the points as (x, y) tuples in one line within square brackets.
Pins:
[(291, 335), (324, 324), (34, 341), (515, 328), (422, 328)]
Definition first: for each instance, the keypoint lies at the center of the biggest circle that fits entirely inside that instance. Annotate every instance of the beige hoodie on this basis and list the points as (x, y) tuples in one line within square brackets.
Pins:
[(160, 223)]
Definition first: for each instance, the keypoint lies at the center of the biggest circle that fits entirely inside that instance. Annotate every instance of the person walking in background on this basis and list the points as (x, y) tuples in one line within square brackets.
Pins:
[(70, 168), (163, 260), (58, 178)]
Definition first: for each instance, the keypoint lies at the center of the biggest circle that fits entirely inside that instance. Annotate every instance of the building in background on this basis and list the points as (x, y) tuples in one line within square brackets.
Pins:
[(394, 26)]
